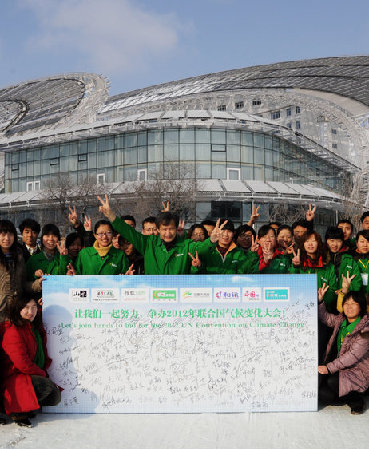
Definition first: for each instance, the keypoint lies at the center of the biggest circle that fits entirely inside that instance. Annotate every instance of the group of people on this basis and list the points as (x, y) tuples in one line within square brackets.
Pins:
[(113, 246)]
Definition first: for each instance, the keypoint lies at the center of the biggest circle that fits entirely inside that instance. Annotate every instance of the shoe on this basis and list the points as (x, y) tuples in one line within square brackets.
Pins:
[(24, 422), (357, 410)]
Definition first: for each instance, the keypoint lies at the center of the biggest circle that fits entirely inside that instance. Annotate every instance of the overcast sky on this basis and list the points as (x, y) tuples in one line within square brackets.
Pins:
[(140, 43)]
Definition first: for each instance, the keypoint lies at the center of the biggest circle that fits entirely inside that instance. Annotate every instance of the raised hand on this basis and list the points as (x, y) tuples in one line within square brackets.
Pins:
[(39, 273), (322, 291), (73, 216), (296, 258), (268, 250), (61, 248), (130, 271), (254, 215), (87, 224), (310, 213), (196, 262), (166, 207), (254, 244), (105, 208), (217, 231), (70, 270), (180, 228), (346, 282)]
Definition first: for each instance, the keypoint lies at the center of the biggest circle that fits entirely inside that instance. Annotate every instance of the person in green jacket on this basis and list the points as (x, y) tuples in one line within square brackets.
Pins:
[(343, 262), (313, 258), (164, 253), (270, 259), (102, 257), (361, 256), (225, 257), (49, 260)]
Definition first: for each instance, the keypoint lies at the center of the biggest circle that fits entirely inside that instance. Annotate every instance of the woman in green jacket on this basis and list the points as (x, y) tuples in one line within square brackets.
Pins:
[(102, 257)]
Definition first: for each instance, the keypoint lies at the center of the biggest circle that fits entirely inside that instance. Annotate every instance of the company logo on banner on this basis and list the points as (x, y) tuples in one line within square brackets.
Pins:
[(79, 295), (251, 294), (164, 295), (194, 295), (105, 294), (276, 294), (227, 294), (135, 295)]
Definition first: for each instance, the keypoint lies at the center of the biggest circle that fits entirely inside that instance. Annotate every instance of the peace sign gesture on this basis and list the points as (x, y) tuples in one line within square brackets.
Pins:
[(196, 262), (322, 291), (296, 261), (217, 231), (310, 213), (346, 282), (254, 215), (73, 216), (254, 244), (61, 248), (130, 271), (105, 208), (166, 207)]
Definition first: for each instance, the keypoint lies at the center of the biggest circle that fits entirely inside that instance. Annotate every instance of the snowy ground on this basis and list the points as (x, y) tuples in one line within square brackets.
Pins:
[(332, 427)]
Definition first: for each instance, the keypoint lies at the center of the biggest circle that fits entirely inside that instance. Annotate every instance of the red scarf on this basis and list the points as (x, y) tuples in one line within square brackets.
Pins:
[(312, 264), (262, 263)]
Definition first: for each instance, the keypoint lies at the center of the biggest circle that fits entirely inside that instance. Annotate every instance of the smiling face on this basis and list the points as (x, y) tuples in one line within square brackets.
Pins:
[(334, 245), (311, 245), (29, 311), (75, 247), (351, 309), (362, 245), (29, 237), (347, 230), (198, 235), (104, 235), (226, 237), (365, 224), (168, 232), (49, 242), (284, 238), (268, 242), (245, 239), (6, 241)]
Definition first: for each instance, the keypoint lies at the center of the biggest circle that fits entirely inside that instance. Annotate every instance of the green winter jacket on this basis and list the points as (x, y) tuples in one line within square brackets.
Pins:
[(234, 262), (326, 275), (362, 261), (347, 264), (279, 265), (58, 265), (157, 259), (90, 262)]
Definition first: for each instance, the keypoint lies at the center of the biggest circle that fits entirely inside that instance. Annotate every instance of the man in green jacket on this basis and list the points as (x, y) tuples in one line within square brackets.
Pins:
[(164, 253)]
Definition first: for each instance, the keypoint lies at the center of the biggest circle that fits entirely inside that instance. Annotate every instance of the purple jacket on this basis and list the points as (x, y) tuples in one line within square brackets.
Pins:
[(352, 362)]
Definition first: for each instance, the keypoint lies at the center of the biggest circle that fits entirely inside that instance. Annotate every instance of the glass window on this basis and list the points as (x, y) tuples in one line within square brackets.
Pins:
[(130, 173), (247, 138), (82, 148), (247, 172), (30, 169), (298, 124), (187, 152), (298, 109), (239, 105), (64, 164), (222, 107), (258, 173), (233, 153), (155, 153), (187, 136), (289, 112), (29, 156), (91, 161), (203, 211), (218, 171), (203, 170), (119, 141), (256, 102), (275, 115), (233, 137), (247, 154), (233, 173), (258, 156), (203, 152), (171, 136), (15, 157), (15, 185), (218, 136), (155, 137), (268, 157), (154, 170), (268, 142), (130, 156), (202, 135), (91, 145), (268, 171), (22, 170), (259, 140), (142, 138), (142, 154), (218, 157), (22, 156), (73, 148), (119, 156), (171, 152), (37, 168), (131, 140), (64, 149), (218, 148)]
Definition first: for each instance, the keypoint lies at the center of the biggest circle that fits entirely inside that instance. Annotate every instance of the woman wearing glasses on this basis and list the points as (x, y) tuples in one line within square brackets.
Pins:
[(102, 257)]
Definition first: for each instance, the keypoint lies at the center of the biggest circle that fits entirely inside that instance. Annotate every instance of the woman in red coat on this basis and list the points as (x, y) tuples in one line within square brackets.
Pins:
[(25, 385)]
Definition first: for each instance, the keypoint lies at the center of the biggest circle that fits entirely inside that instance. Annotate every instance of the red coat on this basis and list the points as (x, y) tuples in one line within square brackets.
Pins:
[(20, 347)]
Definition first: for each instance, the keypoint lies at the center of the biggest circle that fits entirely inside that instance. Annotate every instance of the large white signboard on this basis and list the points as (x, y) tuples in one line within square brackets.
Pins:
[(178, 344)]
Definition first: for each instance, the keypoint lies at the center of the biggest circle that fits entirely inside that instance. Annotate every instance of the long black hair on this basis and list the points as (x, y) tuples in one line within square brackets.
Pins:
[(14, 310), (8, 226)]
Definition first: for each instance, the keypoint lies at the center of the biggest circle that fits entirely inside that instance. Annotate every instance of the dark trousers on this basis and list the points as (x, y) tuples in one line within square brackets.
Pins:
[(329, 392), (47, 392)]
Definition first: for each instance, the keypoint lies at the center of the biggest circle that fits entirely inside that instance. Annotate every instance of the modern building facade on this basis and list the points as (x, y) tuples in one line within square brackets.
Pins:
[(294, 132)]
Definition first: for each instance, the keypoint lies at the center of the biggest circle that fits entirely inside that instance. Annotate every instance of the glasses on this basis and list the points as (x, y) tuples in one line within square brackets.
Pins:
[(102, 234)]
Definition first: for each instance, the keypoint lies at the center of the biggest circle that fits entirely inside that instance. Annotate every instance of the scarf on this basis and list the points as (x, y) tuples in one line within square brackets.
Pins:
[(313, 263), (102, 250), (39, 359), (346, 329)]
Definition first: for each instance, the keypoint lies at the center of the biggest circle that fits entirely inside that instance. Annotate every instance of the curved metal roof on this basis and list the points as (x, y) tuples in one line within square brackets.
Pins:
[(346, 76)]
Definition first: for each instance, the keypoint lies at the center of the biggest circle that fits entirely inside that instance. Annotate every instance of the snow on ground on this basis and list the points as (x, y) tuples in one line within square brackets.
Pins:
[(330, 428)]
